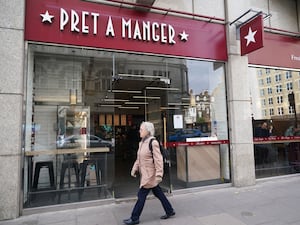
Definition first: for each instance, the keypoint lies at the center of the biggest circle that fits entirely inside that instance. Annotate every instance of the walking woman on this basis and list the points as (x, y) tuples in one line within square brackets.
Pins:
[(150, 168)]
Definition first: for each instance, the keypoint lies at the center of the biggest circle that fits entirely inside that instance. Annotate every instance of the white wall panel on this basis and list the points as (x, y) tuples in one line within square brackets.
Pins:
[(284, 15)]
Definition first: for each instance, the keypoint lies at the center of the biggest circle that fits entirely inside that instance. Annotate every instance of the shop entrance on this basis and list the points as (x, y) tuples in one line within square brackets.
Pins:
[(141, 100)]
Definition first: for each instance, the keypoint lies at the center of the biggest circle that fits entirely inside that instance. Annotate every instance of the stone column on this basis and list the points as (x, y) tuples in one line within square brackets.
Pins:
[(239, 105), (11, 98)]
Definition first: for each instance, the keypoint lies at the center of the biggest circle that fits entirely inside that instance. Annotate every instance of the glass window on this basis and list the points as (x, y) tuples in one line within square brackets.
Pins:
[(279, 99), (291, 110), (289, 86), (275, 156), (288, 75), (278, 77), (261, 82), (270, 101), (269, 90), (259, 73), (280, 110), (84, 108), (278, 88)]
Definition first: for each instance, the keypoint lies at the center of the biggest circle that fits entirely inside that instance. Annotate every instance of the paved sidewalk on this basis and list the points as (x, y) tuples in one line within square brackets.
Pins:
[(274, 201)]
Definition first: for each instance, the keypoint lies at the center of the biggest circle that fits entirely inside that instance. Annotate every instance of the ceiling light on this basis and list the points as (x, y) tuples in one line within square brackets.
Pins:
[(162, 88), (110, 105), (129, 107), (175, 103), (139, 75), (146, 97), (169, 108), (136, 103), (126, 91), (114, 100), (185, 99), (161, 78)]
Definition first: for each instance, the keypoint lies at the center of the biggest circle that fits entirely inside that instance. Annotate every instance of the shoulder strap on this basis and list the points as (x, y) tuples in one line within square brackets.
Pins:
[(151, 147)]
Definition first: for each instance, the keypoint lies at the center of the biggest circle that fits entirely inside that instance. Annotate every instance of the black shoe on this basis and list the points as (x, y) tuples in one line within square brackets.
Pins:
[(167, 216), (131, 222)]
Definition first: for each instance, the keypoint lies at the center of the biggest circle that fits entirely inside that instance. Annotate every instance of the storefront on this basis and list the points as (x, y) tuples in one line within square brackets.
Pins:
[(94, 73), (275, 86)]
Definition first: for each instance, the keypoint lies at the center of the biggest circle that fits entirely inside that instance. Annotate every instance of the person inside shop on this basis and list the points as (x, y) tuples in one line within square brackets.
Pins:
[(149, 167), (292, 148), (262, 130), (292, 131), (262, 151)]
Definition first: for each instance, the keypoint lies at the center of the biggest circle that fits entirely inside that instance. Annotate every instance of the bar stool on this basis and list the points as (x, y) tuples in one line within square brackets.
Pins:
[(68, 164), (38, 167), (84, 165)]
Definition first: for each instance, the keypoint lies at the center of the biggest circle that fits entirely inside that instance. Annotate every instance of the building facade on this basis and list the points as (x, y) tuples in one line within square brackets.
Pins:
[(78, 77)]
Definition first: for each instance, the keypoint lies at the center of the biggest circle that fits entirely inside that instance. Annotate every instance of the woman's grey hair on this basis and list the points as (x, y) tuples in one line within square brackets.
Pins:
[(148, 127)]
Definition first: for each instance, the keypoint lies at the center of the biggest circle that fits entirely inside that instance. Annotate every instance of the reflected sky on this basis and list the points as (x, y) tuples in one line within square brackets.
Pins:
[(204, 75)]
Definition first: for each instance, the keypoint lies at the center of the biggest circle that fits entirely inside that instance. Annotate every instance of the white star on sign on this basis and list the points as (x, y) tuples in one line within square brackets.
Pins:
[(183, 36), (46, 17), (250, 36)]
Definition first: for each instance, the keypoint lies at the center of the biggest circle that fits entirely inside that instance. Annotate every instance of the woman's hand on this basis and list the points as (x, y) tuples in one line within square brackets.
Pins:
[(158, 179), (133, 173)]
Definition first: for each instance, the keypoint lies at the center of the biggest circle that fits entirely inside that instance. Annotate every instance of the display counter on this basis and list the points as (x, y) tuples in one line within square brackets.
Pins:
[(198, 163)]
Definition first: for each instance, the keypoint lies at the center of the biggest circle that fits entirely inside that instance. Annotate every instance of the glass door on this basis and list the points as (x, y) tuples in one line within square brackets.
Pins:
[(141, 101)]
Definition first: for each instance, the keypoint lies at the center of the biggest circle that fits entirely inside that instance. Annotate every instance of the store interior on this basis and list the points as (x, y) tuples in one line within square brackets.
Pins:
[(86, 100)]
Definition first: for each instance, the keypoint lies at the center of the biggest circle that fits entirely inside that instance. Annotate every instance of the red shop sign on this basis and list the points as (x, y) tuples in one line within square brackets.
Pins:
[(82, 23), (278, 51), (251, 35)]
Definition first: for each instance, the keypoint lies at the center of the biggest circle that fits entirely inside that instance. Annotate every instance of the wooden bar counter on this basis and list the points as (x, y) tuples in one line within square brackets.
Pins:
[(198, 163), (66, 151)]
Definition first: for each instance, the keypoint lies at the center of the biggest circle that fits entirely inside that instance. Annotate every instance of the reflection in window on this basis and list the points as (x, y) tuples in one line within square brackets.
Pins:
[(279, 111), (275, 156), (270, 101), (289, 86), (291, 110), (269, 90), (279, 99), (207, 108), (259, 73), (278, 77), (278, 88), (288, 75), (261, 82)]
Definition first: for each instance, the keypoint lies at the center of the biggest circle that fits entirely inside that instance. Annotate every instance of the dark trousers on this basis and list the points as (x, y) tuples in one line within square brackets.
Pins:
[(142, 195)]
